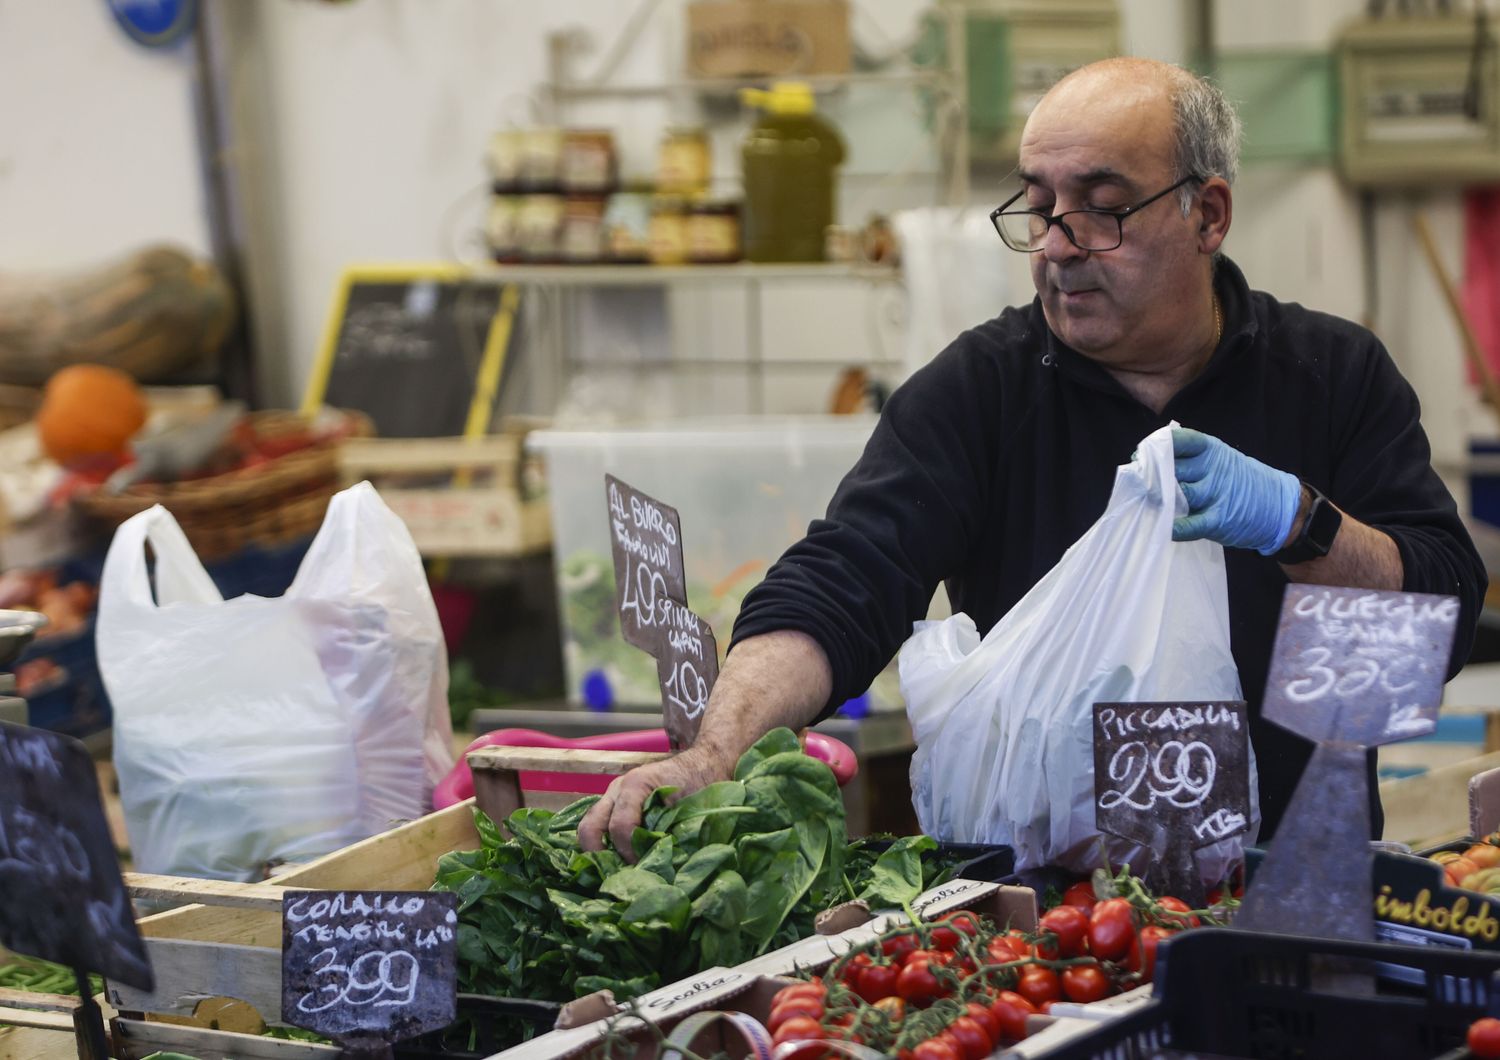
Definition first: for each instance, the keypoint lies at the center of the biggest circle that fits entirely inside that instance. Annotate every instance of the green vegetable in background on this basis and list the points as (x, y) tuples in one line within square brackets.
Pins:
[(725, 874), (42, 977)]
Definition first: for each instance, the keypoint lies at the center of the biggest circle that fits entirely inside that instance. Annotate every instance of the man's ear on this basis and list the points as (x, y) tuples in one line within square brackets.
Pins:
[(1215, 212)]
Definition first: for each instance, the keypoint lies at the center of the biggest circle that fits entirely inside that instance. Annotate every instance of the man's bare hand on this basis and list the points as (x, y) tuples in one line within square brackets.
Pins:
[(618, 810)]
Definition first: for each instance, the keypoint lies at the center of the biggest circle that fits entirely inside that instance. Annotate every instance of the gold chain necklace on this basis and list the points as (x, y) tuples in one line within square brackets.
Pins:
[(1218, 322)]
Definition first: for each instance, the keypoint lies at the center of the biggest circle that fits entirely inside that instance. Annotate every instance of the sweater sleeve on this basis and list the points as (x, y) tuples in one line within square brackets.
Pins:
[(900, 521), (1384, 478)]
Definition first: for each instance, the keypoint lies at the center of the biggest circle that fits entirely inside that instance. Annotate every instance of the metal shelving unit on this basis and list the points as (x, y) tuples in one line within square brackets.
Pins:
[(560, 89)]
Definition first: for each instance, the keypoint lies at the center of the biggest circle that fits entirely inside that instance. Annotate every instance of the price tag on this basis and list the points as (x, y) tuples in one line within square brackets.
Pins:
[(61, 895), (369, 964), (687, 669), (1359, 666), (1173, 777), (646, 541)]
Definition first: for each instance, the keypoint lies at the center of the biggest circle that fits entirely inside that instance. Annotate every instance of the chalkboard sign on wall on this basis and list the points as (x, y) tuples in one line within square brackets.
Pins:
[(407, 346), (61, 895)]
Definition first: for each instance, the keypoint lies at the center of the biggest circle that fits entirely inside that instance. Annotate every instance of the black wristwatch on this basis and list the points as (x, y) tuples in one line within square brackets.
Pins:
[(1318, 531)]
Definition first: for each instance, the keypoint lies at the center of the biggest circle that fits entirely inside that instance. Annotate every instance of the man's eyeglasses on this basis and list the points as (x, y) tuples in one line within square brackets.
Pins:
[(1026, 230)]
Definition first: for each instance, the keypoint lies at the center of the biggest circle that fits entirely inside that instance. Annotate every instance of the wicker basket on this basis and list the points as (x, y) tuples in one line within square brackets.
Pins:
[(265, 506)]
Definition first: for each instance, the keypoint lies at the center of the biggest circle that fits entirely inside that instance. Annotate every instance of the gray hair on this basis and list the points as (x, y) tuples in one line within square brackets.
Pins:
[(1208, 134)]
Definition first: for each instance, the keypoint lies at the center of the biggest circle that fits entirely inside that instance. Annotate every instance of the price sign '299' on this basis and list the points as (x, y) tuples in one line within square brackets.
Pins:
[(1359, 665), (651, 600)]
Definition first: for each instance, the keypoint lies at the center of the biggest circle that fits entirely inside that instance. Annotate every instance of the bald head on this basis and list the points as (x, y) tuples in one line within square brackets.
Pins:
[(1186, 119)]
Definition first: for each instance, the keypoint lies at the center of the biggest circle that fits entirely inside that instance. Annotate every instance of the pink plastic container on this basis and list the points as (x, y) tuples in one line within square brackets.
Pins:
[(458, 785)]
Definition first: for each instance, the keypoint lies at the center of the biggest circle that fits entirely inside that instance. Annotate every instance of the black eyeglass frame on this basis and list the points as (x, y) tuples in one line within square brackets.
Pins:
[(1119, 217)]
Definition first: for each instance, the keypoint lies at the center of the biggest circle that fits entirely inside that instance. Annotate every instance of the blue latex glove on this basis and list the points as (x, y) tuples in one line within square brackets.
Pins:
[(1232, 498)]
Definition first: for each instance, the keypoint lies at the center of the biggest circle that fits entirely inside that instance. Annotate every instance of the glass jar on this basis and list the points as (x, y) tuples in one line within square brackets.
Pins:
[(627, 227), (668, 243), (505, 160), (713, 232), (539, 227), (541, 160), (588, 161), (683, 165), (502, 228), (582, 239)]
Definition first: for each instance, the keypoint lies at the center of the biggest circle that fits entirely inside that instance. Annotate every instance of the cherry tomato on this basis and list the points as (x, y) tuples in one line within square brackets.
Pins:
[(1177, 905), (854, 966), (1484, 1038), (972, 1038), (1085, 983), (801, 1029), (944, 938), (981, 1015), (1020, 943), (1011, 1009), (1142, 955), (877, 981), (935, 1049), (1038, 984), (1070, 924), (1000, 951), (797, 1007), (816, 991), (916, 985), (1080, 896), (897, 947), (1111, 927), (894, 1009)]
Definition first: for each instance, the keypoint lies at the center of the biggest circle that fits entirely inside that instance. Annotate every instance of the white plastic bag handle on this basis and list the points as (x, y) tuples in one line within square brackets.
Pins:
[(180, 577)]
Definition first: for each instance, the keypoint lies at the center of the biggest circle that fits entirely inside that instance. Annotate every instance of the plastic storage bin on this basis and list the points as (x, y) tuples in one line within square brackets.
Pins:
[(744, 489)]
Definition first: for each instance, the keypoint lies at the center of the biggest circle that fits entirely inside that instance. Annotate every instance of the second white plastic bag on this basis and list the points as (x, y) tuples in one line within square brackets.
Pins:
[(1004, 725), (255, 730)]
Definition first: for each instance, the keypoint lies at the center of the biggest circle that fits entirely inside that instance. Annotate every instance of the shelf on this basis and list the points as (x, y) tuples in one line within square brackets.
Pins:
[(656, 275), (721, 85)]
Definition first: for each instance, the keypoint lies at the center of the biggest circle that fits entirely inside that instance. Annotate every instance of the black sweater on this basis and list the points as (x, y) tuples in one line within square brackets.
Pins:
[(995, 457)]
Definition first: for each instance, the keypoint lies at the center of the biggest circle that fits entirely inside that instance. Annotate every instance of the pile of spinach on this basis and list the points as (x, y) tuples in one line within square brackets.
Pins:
[(723, 875)]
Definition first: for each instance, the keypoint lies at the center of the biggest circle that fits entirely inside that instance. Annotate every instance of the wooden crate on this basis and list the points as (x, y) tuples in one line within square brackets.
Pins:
[(458, 497), (228, 945)]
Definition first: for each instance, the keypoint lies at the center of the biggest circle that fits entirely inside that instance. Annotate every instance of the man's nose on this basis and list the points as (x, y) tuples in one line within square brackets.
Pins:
[(1058, 247)]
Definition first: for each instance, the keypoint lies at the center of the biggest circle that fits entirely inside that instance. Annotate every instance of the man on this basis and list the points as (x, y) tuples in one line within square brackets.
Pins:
[(1300, 438)]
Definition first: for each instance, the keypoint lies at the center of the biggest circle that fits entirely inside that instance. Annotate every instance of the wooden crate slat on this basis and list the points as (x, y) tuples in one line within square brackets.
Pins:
[(189, 973), (208, 892), (403, 858), (138, 1039)]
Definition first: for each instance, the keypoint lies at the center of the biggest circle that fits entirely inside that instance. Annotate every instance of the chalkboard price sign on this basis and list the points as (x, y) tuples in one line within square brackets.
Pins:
[(687, 670), (1173, 777), (369, 964), (61, 895), (646, 542), (1360, 666)]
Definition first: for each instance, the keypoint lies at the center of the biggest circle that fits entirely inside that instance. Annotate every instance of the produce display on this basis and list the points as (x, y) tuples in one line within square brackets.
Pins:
[(41, 977), (1476, 868), (726, 874), (959, 987)]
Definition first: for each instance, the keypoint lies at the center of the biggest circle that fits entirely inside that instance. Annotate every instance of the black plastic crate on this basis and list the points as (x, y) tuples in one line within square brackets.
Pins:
[(484, 1026), (972, 861), (1244, 994)]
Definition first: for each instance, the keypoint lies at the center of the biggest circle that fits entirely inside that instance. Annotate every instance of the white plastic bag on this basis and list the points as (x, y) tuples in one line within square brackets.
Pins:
[(257, 729), (1004, 725)]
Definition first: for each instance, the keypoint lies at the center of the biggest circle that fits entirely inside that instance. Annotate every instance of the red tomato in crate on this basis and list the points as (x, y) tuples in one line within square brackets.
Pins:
[(1085, 983), (1070, 924), (1011, 1009), (1111, 927), (1081, 896)]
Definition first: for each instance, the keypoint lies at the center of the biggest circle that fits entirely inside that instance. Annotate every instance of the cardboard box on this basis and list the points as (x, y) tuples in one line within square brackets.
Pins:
[(767, 38)]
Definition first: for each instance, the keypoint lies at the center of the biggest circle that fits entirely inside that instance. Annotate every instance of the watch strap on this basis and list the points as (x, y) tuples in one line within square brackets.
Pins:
[(1315, 539)]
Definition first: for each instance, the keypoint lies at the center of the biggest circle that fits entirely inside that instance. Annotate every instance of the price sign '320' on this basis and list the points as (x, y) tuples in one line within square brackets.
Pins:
[(1360, 666)]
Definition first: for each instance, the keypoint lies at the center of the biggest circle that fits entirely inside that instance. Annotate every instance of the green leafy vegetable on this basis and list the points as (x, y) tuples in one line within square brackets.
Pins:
[(722, 875)]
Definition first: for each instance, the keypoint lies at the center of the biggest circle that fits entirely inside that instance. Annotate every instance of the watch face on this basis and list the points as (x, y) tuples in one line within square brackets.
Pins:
[(1322, 525)]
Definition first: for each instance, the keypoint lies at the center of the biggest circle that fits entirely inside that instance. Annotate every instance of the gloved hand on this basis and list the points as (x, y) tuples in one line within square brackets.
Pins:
[(1232, 498)]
